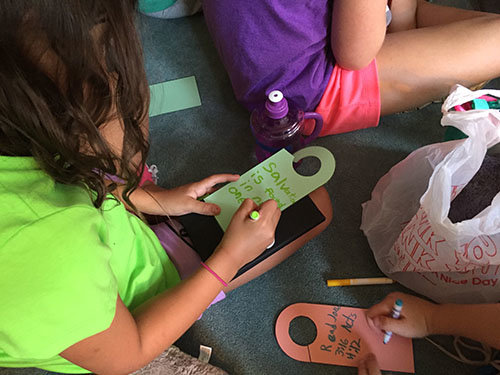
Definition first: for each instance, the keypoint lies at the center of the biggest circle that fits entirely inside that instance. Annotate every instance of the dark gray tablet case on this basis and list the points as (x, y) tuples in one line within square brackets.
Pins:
[(205, 232)]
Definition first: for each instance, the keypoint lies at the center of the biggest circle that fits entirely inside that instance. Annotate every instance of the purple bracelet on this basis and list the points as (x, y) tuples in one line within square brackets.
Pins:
[(213, 273)]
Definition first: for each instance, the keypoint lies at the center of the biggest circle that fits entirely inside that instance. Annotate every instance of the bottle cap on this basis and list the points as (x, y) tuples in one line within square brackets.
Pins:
[(275, 96), (276, 105)]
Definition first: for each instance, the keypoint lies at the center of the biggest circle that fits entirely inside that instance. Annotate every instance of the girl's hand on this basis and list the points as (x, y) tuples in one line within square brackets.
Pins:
[(245, 238), (415, 319), (184, 199)]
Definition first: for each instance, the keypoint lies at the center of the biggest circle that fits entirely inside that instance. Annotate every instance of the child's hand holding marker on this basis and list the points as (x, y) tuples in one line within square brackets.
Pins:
[(251, 230), (414, 321), (254, 215), (421, 318)]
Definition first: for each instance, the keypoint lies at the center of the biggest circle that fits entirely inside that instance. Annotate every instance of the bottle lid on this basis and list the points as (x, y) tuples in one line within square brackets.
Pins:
[(275, 96), (276, 105)]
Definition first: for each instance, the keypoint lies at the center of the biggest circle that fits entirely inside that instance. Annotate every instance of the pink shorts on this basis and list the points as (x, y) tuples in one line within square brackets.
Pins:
[(351, 101)]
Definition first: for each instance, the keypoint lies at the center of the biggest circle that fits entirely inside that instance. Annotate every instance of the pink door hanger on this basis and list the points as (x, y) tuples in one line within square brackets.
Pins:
[(343, 337)]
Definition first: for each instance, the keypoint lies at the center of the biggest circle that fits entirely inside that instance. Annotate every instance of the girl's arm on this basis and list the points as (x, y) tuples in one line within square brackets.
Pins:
[(154, 200), (135, 339), (420, 318), (479, 322), (358, 31)]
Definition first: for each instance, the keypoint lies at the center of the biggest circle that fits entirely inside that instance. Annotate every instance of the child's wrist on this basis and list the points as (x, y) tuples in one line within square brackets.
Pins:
[(229, 255), (434, 318), (223, 263), (214, 274), (146, 200)]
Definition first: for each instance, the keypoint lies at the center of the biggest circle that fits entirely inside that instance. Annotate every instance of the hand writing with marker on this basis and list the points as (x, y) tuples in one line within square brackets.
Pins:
[(415, 319), (419, 318), (246, 238)]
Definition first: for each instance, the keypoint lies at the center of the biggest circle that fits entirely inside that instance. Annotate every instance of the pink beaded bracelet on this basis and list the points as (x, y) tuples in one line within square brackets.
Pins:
[(213, 273)]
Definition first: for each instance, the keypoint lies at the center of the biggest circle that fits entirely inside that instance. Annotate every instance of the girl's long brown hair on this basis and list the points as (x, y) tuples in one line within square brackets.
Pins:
[(96, 74)]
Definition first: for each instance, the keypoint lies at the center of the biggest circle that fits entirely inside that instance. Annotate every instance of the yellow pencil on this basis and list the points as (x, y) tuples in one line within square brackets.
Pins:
[(365, 281)]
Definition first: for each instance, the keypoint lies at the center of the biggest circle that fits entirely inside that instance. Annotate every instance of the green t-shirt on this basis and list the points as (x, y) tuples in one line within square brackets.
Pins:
[(62, 264), (153, 6)]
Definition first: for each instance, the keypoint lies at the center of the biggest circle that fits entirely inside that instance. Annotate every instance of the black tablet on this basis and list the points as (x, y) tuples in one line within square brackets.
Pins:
[(299, 218)]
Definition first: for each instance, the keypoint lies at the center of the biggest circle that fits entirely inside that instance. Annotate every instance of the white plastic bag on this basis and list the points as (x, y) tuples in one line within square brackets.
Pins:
[(406, 220)]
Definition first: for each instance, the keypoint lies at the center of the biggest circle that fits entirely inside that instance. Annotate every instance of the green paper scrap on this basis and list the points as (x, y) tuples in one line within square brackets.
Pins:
[(274, 178), (173, 96)]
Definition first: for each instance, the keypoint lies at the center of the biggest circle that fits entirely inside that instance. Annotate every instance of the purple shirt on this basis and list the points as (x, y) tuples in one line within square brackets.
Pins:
[(273, 44)]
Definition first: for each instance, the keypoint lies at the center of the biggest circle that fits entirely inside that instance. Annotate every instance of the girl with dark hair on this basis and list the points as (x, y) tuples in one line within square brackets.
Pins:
[(85, 285)]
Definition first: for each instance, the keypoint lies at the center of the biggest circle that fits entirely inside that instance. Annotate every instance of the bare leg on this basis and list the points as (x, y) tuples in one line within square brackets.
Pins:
[(321, 198), (433, 14), (412, 14), (420, 65), (404, 15)]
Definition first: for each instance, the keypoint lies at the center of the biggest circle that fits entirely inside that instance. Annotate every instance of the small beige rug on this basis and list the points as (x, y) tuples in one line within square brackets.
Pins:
[(174, 361)]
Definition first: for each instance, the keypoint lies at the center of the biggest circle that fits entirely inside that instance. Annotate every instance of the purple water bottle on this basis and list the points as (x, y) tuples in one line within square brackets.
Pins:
[(279, 125)]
